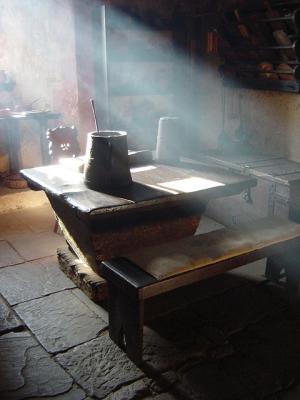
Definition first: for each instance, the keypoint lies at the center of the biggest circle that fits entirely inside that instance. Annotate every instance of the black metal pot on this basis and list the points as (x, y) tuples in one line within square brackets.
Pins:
[(107, 165)]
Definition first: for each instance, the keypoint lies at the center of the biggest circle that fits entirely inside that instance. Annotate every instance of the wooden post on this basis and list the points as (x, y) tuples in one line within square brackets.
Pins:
[(126, 320)]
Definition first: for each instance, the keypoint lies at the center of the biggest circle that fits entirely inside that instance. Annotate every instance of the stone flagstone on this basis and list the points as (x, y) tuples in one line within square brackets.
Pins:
[(136, 390), (161, 353), (32, 280), (99, 366), (8, 255), (11, 225), (40, 219), (209, 381), (37, 245), (162, 396), (61, 320), (239, 341), (8, 319), (26, 370), (76, 393), (233, 311)]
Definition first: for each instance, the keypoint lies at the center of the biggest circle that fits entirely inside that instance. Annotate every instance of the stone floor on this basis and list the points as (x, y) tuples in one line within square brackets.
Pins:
[(239, 341)]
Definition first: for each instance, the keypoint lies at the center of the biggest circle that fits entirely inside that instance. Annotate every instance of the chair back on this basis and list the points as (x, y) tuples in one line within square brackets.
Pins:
[(62, 143)]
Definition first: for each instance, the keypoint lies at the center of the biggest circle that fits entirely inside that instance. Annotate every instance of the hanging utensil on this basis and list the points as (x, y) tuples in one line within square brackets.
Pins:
[(28, 106), (94, 114), (241, 27)]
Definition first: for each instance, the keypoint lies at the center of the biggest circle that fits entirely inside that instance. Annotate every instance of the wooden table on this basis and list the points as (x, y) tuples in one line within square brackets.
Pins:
[(11, 126), (163, 203), (277, 192)]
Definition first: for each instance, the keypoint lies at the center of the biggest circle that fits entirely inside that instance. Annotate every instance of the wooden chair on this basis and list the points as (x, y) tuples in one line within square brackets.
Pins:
[(62, 144)]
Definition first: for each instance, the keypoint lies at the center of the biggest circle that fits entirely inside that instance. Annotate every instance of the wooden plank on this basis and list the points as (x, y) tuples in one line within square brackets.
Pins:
[(287, 180), (89, 201), (212, 270), (171, 259), (238, 162), (259, 165), (153, 185), (272, 168), (263, 163), (278, 169), (60, 180), (239, 158), (162, 177)]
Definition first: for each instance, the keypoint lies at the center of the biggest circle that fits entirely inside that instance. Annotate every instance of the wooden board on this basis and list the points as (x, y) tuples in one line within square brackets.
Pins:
[(168, 260), (278, 169), (154, 184), (238, 161), (273, 168)]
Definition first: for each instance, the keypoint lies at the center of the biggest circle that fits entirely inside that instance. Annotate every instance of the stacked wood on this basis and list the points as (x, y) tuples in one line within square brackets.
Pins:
[(15, 181), (82, 275)]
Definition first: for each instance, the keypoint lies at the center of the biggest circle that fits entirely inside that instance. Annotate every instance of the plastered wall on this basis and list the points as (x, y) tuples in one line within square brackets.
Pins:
[(271, 120), (37, 50)]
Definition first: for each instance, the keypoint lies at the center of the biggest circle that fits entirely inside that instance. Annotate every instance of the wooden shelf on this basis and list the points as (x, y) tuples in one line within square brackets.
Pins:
[(136, 91), (257, 42), (141, 56), (264, 84)]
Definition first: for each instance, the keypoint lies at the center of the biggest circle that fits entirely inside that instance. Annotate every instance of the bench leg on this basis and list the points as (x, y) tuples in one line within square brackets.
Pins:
[(274, 269), (126, 319), (292, 267), (289, 262), (286, 265)]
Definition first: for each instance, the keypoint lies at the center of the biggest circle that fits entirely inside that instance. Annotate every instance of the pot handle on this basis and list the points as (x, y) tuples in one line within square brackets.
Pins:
[(109, 156)]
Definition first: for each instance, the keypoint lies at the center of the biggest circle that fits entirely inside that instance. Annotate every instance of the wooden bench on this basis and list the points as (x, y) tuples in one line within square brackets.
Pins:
[(152, 271)]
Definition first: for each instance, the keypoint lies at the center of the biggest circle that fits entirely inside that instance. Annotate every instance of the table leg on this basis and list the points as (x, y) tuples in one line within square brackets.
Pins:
[(13, 136), (43, 141)]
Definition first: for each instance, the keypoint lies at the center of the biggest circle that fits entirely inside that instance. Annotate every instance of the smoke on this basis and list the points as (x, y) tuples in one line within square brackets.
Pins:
[(148, 77), (57, 52)]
